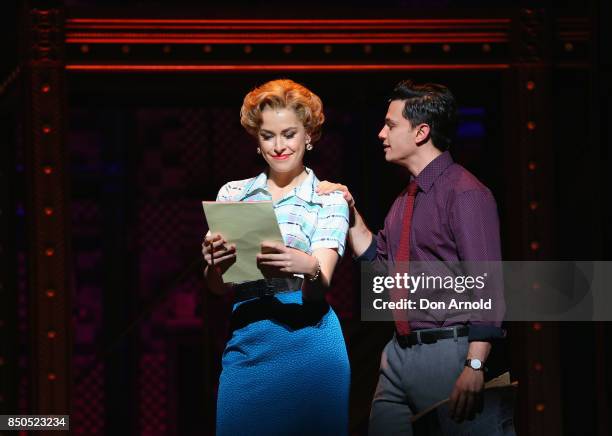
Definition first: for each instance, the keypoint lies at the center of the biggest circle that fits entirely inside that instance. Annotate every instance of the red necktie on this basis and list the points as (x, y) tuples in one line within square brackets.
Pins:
[(403, 255)]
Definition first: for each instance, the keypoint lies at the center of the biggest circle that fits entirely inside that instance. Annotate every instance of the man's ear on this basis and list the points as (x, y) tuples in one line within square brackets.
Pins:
[(422, 133)]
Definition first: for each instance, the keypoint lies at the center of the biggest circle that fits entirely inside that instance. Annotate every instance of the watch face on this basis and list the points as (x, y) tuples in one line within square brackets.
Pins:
[(475, 363)]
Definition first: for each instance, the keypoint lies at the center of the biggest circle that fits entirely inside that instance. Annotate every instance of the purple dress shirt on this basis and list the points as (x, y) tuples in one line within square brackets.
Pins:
[(454, 219)]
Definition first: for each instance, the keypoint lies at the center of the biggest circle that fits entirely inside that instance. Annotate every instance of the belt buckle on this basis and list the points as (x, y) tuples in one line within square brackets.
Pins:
[(427, 338), (267, 289)]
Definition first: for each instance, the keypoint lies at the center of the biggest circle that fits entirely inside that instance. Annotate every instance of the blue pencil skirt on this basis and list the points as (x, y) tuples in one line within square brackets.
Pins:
[(285, 370)]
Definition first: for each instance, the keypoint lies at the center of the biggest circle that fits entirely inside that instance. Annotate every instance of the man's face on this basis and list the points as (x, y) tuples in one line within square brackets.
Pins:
[(397, 135)]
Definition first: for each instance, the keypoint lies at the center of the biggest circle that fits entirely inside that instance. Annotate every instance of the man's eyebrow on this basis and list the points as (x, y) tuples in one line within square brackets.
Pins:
[(389, 121)]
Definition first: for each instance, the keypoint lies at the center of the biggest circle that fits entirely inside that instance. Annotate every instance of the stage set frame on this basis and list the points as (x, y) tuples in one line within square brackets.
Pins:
[(516, 44)]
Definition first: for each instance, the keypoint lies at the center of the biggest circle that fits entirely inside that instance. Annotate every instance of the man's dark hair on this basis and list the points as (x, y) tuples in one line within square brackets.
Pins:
[(431, 104)]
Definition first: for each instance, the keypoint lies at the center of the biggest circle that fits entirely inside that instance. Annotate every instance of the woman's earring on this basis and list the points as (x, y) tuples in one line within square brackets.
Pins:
[(309, 146), (258, 150)]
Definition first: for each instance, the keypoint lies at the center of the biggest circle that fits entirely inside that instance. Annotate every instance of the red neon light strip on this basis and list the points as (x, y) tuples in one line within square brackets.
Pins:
[(292, 22), (280, 27), (278, 41), (285, 40), (214, 68), (283, 35)]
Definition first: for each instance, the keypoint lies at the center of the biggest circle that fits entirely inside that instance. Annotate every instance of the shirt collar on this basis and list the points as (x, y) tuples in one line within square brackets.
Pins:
[(304, 190), (433, 170), (258, 184)]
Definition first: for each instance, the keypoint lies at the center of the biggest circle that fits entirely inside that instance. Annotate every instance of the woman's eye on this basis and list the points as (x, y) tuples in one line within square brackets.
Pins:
[(266, 137), (290, 135)]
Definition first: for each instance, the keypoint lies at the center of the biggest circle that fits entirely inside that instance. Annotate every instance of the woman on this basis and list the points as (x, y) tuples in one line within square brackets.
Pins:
[(285, 368)]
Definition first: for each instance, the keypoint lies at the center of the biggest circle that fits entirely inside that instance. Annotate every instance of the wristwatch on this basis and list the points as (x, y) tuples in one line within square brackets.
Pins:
[(475, 364)]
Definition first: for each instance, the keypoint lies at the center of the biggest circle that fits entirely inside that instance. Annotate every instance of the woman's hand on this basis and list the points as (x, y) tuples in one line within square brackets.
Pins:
[(218, 253), (277, 260), (326, 187)]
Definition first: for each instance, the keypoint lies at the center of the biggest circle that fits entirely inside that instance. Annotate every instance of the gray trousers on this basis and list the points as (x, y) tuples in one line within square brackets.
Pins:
[(414, 378)]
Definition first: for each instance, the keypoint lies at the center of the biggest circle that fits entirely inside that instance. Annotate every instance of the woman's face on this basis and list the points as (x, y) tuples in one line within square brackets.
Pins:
[(282, 139)]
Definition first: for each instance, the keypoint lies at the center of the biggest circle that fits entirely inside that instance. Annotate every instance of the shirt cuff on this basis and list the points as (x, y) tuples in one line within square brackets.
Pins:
[(370, 253), (485, 333)]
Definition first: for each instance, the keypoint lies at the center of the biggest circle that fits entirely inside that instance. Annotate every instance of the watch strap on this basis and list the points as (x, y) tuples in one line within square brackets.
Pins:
[(468, 364)]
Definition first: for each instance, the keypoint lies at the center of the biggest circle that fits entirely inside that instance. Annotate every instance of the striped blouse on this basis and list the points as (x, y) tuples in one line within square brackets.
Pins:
[(307, 220)]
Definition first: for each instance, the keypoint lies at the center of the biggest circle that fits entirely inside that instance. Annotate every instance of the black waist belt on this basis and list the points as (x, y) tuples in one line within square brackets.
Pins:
[(266, 287), (429, 336)]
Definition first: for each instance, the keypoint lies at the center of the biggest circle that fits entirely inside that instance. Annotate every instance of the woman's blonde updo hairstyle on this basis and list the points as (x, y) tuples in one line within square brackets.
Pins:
[(283, 94)]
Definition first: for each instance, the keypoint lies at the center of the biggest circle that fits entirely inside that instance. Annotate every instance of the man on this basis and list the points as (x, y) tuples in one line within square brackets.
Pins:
[(445, 214)]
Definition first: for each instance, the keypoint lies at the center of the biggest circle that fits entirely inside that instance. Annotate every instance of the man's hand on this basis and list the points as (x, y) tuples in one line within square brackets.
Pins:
[(277, 260), (359, 236), (466, 399), (326, 187)]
